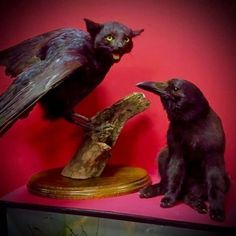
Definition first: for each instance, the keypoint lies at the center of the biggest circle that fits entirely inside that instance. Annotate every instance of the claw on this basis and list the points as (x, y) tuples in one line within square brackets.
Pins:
[(217, 214), (150, 191), (146, 192), (79, 120), (167, 202)]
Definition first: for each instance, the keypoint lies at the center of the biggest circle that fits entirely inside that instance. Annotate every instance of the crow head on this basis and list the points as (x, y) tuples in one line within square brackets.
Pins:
[(182, 100)]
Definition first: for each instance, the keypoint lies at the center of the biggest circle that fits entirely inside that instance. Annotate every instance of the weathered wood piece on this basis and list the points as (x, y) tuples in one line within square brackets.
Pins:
[(91, 157)]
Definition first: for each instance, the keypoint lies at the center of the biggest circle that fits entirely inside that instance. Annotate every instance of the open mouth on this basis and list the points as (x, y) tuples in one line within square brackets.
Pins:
[(116, 56)]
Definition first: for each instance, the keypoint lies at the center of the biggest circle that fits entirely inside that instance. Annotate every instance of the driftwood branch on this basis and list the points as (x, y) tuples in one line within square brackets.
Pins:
[(91, 158)]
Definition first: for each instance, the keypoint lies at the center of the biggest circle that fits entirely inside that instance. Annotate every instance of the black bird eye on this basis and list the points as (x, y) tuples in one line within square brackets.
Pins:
[(175, 89)]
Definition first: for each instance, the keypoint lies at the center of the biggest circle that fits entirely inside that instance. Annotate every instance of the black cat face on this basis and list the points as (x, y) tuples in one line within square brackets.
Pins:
[(111, 40)]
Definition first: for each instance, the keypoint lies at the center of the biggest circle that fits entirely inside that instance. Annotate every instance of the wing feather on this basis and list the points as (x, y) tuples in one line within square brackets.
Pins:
[(30, 86), (39, 64), (20, 57)]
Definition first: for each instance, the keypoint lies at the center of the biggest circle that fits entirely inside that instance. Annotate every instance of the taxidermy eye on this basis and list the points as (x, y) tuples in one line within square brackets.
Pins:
[(109, 38), (175, 89), (126, 39)]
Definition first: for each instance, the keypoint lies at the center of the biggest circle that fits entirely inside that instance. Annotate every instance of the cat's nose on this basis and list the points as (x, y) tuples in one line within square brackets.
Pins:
[(120, 45)]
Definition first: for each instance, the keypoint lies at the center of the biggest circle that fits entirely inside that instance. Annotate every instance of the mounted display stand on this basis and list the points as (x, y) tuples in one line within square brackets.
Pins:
[(84, 175)]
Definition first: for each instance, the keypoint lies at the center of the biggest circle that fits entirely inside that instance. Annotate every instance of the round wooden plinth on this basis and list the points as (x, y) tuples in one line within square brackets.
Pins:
[(114, 181)]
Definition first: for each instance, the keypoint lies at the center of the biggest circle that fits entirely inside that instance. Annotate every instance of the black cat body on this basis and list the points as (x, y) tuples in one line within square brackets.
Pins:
[(60, 68), (192, 165)]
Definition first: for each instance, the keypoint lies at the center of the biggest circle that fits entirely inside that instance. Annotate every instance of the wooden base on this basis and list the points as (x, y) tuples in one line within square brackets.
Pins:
[(114, 181)]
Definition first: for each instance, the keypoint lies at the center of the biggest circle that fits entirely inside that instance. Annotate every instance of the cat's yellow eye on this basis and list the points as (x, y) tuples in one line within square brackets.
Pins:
[(126, 39), (109, 38)]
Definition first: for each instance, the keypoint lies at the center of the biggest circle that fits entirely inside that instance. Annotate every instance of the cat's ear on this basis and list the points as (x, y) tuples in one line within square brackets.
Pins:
[(92, 27), (137, 32)]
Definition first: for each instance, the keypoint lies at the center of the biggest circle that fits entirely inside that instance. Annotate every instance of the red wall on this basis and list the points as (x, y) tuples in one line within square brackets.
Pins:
[(188, 39)]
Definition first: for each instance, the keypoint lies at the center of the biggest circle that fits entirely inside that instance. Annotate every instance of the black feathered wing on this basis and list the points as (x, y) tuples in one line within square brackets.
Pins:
[(20, 57), (30, 86), (39, 64)]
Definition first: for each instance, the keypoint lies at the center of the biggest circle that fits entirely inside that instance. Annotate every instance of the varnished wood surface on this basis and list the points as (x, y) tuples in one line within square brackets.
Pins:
[(115, 181)]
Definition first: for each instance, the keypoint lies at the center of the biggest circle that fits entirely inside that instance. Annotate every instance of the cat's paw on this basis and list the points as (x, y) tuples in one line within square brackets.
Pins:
[(151, 191), (197, 204), (147, 192), (217, 214), (200, 207), (167, 202)]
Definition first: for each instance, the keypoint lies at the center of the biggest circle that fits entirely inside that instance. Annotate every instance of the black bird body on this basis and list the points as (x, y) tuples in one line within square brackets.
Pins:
[(192, 165), (60, 68), (60, 100)]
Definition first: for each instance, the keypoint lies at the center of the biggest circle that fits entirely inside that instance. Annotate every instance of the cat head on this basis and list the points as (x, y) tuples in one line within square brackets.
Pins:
[(111, 40)]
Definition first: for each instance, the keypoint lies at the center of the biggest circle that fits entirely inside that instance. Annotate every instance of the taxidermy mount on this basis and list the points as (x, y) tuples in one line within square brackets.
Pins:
[(60, 68), (192, 166)]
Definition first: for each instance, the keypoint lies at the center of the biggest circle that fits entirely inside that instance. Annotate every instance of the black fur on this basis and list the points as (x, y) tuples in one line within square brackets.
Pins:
[(192, 165), (60, 68)]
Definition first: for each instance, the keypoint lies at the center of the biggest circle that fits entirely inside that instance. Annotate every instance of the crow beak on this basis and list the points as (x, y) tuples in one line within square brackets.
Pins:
[(154, 87)]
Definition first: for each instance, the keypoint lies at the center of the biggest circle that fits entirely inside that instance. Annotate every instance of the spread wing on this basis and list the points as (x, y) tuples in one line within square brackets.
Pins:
[(48, 62), (18, 58)]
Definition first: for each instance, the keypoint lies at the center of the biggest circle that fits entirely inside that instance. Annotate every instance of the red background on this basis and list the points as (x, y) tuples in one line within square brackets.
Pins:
[(188, 39)]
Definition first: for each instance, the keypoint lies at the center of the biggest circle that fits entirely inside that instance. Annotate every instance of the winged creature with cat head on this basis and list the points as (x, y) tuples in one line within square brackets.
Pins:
[(59, 69)]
